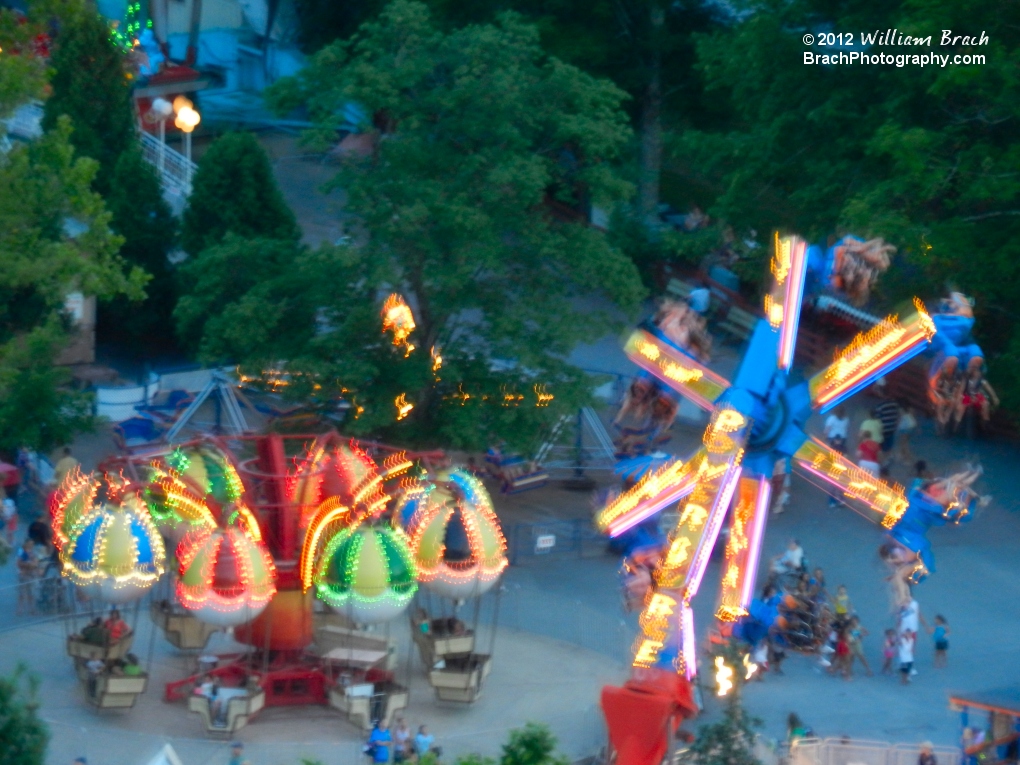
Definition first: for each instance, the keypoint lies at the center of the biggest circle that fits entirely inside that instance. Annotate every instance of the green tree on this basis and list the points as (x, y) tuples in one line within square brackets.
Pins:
[(43, 186), (141, 215), (534, 744), (234, 191), (90, 85), (22, 73), (320, 22), (730, 741), (485, 130), (23, 736), (924, 157)]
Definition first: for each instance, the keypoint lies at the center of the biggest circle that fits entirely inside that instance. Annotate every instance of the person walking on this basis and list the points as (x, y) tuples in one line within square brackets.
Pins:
[(906, 651), (888, 651), (837, 425), (856, 635), (940, 637)]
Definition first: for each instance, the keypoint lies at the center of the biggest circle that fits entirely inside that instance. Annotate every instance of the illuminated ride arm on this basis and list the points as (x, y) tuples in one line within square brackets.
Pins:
[(871, 355), (784, 299), (674, 368), (906, 517), (667, 622)]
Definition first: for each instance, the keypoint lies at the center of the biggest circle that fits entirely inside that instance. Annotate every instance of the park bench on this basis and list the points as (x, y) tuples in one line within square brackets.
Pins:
[(679, 289), (739, 324)]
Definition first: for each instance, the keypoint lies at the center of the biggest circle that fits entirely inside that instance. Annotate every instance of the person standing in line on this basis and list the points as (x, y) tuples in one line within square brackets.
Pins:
[(867, 454), (401, 741), (836, 430), (872, 425), (379, 741), (423, 741), (888, 412), (65, 465), (906, 650)]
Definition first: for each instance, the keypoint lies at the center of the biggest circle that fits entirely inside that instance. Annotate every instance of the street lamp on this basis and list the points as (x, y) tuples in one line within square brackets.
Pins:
[(187, 120), (161, 110)]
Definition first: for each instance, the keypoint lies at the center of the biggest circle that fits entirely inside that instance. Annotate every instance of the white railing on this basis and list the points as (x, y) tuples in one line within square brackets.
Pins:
[(835, 751), (26, 122), (175, 170)]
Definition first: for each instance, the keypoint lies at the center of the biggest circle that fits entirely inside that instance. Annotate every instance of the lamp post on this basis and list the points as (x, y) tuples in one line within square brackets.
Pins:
[(187, 120), (162, 109)]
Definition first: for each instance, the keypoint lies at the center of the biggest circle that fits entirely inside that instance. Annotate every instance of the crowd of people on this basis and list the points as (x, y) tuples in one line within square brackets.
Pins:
[(399, 745), (810, 619)]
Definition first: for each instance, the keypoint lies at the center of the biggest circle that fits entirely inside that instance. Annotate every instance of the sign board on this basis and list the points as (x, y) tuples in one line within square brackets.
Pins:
[(545, 542)]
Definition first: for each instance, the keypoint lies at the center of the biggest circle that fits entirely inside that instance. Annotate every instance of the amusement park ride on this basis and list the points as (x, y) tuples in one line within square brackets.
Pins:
[(755, 420), (256, 542)]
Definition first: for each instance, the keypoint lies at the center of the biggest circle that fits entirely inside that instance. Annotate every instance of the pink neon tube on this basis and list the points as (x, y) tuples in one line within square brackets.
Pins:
[(792, 303), (651, 507), (688, 645), (712, 527), (754, 540)]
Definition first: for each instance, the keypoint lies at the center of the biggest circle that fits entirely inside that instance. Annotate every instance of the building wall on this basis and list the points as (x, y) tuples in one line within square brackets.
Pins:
[(82, 348)]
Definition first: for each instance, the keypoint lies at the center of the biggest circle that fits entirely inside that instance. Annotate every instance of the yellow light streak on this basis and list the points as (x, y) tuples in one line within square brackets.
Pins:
[(723, 677), (403, 406)]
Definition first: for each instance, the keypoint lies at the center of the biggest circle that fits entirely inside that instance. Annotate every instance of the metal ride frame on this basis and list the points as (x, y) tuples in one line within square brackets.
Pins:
[(288, 674), (755, 421)]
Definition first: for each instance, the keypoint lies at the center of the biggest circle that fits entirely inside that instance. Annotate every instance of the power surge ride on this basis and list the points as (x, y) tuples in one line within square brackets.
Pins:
[(755, 420)]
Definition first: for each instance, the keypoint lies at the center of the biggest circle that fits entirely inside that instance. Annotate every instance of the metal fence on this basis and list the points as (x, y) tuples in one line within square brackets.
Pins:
[(841, 751), (535, 541)]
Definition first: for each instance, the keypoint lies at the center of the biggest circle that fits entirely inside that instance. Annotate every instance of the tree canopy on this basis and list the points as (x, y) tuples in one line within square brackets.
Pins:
[(23, 736), (140, 214), (90, 86), (482, 136), (924, 157), (234, 191), (55, 237)]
